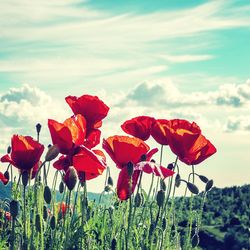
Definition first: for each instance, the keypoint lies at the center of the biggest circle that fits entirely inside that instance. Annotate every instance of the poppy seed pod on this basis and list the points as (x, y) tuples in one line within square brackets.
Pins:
[(25, 178), (47, 194), (38, 128), (14, 208), (52, 153), (192, 188), (170, 166), (110, 181), (203, 178), (160, 198), (209, 185), (130, 168), (53, 222), (70, 178)]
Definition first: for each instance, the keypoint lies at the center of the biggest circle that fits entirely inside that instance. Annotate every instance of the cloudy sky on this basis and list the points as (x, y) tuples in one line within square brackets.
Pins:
[(168, 59)]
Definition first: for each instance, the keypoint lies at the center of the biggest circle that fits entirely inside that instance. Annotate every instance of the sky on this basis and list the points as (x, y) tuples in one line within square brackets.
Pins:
[(166, 59)]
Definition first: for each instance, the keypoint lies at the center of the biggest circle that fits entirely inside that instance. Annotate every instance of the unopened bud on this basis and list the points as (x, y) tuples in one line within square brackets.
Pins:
[(45, 213), (110, 181), (203, 178), (143, 157), (107, 188), (14, 208), (53, 222), (61, 187), (138, 200), (25, 178), (47, 194), (164, 224), (195, 240), (177, 180), (70, 178), (9, 150), (163, 185), (7, 174), (52, 153), (38, 223), (130, 168), (209, 185), (192, 188), (160, 198), (113, 244), (38, 128), (170, 166)]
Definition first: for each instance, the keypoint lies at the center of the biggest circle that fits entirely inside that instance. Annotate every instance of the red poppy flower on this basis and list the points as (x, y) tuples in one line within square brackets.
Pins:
[(62, 209), (139, 127), (88, 163), (187, 142), (69, 133), (123, 149), (25, 153), (3, 179), (158, 131), (91, 107)]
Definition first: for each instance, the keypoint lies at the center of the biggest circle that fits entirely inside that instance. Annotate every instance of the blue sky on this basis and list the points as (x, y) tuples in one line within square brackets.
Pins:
[(168, 59)]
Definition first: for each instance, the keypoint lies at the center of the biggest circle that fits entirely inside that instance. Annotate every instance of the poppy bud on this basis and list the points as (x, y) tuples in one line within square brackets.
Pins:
[(9, 150), (163, 185), (209, 185), (38, 223), (47, 194), (151, 229), (52, 153), (177, 180), (203, 178), (138, 200), (113, 244), (110, 181), (61, 187), (7, 176), (38, 128), (107, 189), (164, 224), (143, 157), (160, 198), (25, 178), (45, 213), (53, 222), (195, 240), (130, 168), (192, 188), (70, 178), (14, 208), (170, 166)]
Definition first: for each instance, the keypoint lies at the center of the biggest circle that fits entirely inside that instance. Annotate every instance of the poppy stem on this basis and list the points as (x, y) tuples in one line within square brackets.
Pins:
[(129, 214), (158, 178)]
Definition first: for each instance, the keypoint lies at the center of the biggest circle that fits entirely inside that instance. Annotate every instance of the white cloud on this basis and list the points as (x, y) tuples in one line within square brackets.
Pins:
[(186, 58), (238, 123)]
